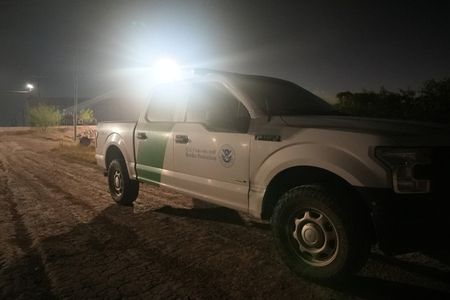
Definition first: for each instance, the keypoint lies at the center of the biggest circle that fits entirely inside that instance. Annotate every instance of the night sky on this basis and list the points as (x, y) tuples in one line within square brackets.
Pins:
[(326, 47)]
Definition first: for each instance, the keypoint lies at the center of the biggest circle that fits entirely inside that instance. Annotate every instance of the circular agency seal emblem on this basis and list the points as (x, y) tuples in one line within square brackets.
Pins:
[(227, 156)]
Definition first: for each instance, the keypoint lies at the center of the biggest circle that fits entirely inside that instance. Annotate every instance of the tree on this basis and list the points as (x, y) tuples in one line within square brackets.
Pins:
[(86, 116), (434, 100), (43, 116), (430, 103)]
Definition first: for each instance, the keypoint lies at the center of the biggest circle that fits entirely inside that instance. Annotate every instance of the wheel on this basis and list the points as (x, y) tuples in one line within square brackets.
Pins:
[(123, 189), (319, 236)]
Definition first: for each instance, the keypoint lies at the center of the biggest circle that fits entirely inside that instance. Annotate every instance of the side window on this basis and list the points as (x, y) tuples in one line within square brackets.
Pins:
[(165, 103), (214, 106)]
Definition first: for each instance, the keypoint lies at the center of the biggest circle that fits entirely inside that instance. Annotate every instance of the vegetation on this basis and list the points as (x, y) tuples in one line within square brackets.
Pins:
[(429, 103), (86, 115), (76, 152), (43, 116)]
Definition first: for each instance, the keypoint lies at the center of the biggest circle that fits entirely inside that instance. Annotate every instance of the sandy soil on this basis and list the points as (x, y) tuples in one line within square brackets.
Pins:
[(61, 236)]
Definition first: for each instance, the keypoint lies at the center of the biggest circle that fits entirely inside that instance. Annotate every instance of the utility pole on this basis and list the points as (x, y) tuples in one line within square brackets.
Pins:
[(75, 96), (39, 87)]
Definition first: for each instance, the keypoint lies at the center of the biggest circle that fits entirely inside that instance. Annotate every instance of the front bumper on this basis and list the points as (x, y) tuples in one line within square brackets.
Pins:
[(407, 222)]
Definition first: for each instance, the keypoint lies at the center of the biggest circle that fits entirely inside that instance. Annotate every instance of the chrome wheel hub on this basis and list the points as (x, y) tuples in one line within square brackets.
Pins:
[(117, 182), (315, 237), (312, 235)]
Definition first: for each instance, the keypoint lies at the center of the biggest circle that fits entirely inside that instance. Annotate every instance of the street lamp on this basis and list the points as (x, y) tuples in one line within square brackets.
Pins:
[(29, 86)]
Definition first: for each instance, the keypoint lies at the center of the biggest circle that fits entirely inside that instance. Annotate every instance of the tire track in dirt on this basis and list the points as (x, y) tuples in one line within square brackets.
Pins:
[(9, 250), (60, 166), (169, 267), (25, 276)]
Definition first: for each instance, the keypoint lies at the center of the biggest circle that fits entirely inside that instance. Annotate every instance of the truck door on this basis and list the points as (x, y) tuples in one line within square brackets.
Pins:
[(211, 148), (153, 134)]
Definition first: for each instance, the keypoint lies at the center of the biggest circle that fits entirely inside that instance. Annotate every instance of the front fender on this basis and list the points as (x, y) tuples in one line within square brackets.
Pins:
[(358, 169)]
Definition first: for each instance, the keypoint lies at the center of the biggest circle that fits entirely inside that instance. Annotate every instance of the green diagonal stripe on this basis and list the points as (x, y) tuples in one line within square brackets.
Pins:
[(151, 152)]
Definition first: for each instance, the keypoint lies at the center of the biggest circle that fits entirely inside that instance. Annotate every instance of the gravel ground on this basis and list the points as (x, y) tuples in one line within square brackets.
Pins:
[(61, 236)]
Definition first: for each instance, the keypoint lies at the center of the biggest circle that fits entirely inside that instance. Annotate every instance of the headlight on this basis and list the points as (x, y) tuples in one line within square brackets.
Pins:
[(410, 168)]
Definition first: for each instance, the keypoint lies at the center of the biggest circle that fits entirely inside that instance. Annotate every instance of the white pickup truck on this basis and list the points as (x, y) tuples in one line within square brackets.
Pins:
[(331, 185)]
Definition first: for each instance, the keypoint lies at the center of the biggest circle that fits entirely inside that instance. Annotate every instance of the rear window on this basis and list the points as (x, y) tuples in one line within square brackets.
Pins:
[(279, 97)]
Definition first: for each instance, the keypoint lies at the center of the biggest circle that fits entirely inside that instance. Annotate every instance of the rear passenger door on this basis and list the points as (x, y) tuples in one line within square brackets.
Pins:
[(211, 148), (153, 134)]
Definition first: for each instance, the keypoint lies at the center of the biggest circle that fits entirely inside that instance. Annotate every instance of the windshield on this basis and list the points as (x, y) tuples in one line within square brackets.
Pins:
[(279, 97)]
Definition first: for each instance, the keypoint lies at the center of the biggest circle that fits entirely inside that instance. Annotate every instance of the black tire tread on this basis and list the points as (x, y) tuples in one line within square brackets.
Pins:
[(131, 187), (359, 244)]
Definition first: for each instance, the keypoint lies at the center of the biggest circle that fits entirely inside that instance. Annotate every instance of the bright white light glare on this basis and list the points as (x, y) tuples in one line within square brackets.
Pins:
[(166, 69), (30, 86)]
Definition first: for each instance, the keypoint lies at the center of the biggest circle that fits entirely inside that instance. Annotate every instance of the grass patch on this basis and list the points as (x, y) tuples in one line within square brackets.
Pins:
[(18, 132), (76, 152)]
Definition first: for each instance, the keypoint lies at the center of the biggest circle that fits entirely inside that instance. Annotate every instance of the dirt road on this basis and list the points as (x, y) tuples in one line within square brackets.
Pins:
[(61, 236)]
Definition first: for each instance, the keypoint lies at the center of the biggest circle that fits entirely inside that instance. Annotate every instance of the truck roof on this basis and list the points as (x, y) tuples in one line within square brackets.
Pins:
[(240, 76)]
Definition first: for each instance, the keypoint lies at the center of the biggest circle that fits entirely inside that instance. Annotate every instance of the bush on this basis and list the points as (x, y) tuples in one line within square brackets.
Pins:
[(43, 116), (86, 116)]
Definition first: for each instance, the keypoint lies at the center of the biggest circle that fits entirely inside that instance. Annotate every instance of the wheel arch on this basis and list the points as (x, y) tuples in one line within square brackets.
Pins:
[(115, 147), (310, 175), (113, 152)]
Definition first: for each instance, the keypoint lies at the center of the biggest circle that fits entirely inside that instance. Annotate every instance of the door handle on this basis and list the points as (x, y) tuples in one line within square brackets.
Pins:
[(181, 139), (141, 136)]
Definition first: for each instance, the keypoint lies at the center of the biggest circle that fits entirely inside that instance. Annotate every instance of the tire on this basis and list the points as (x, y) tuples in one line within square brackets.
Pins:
[(123, 189), (320, 236)]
